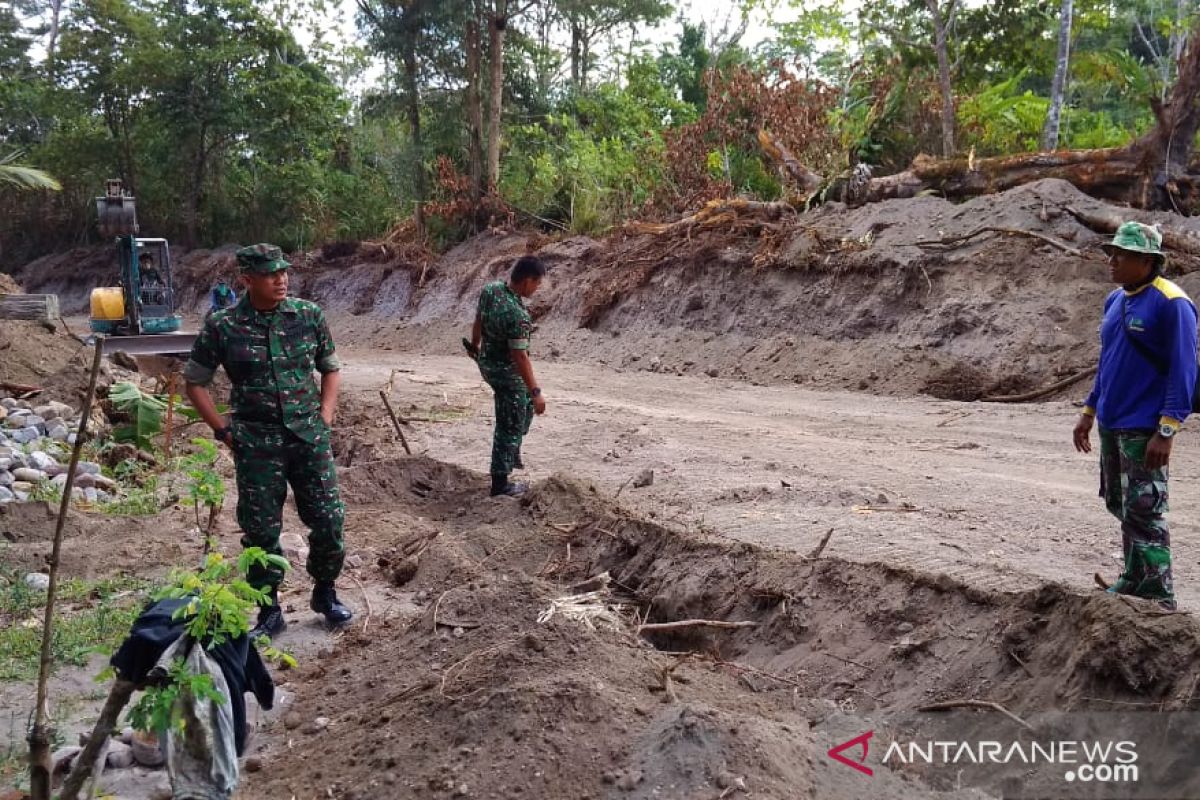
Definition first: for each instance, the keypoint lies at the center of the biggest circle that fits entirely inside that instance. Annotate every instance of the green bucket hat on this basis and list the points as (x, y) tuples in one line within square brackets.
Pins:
[(1136, 237), (261, 259)]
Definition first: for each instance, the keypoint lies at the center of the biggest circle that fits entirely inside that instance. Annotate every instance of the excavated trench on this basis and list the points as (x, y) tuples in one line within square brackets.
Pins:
[(483, 688)]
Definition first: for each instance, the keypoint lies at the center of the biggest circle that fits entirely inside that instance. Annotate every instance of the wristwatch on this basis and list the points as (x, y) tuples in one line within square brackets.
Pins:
[(536, 391), (1167, 431)]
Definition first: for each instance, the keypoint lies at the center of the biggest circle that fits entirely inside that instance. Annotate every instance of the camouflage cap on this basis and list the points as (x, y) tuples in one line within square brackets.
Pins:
[(261, 259), (1136, 237)]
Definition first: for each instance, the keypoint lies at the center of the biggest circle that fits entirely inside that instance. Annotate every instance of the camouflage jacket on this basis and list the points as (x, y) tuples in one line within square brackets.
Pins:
[(506, 326), (270, 358)]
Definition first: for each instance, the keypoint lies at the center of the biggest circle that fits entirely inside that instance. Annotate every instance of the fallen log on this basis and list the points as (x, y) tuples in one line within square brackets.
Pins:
[(36, 307), (1106, 222)]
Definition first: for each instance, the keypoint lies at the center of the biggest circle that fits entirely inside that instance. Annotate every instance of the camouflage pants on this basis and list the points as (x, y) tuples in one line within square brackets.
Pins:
[(514, 415), (268, 458), (1138, 497)]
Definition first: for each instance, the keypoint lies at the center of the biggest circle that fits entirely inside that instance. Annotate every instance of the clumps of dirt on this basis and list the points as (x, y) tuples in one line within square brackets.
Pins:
[(32, 355), (507, 681), (98, 545), (8, 285)]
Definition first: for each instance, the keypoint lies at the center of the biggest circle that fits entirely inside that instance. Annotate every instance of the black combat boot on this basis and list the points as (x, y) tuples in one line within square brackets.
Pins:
[(270, 619), (325, 602), (501, 485), (517, 462)]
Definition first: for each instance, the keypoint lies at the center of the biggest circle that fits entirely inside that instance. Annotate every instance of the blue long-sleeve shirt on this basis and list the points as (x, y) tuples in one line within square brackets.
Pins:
[(1130, 391)]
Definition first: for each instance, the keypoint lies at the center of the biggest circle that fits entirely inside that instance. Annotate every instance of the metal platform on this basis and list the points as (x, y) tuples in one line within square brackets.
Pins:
[(155, 344)]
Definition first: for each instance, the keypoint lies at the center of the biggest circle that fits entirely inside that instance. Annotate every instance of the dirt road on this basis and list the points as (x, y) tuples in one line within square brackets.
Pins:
[(993, 495)]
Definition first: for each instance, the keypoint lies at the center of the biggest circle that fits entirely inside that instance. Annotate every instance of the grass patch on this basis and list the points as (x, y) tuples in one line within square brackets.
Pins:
[(90, 617)]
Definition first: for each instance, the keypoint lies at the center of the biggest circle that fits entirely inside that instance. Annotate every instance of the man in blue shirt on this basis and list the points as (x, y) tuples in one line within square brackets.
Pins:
[(1142, 394)]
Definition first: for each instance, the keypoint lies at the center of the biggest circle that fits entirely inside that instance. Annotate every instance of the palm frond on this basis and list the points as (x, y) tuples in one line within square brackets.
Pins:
[(23, 177)]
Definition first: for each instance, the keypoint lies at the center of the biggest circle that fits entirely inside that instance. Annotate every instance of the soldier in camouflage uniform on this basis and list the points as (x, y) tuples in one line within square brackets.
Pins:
[(269, 345), (1142, 394), (500, 342)]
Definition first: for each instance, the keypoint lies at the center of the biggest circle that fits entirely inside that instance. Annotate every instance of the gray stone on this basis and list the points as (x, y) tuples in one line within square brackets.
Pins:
[(5, 463), (104, 482), (91, 495), (34, 421), (37, 581), (54, 410), (87, 468), (59, 480), (22, 486), (146, 750), (126, 734), (18, 460), (9, 403), (26, 435), (56, 470), (103, 496), (21, 495), (644, 478), (57, 432), (6, 495), (120, 755), (72, 438), (29, 475), (6, 478), (39, 460), (63, 758)]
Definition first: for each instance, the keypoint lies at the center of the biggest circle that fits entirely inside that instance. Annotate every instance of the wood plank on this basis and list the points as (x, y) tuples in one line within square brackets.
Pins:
[(38, 307)]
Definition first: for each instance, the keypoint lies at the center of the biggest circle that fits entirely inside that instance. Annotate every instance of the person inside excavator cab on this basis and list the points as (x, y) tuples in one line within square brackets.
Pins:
[(153, 288)]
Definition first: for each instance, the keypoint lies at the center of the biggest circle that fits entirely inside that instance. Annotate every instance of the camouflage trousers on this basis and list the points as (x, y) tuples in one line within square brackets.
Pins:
[(268, 459), (514, 415), (1138, 497)]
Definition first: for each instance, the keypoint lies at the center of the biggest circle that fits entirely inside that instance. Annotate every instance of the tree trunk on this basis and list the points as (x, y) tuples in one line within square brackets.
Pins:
[(497, 24), (412, 88), (52, 41), (941, 26), (1058, 88), (474, 110), (576, 57)]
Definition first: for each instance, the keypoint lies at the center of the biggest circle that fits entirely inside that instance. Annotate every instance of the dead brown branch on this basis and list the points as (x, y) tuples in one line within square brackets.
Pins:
[(953, 241), (988, 704), (1043, 392), (655, 627)]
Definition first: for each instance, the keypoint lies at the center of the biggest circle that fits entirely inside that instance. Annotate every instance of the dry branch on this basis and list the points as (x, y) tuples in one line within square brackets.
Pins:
[(654, 627), (85, 762), (395, 420), (955, 240), (39, 736), (820, 548), (988, 704), (1040, 393)]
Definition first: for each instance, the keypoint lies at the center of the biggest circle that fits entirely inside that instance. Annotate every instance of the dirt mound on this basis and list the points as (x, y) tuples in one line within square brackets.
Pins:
[(97, 545), (8, 285), (496, 686), (894, 297), (32, 355)]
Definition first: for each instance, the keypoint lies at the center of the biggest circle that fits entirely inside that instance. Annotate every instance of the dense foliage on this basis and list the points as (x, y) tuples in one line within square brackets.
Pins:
[(559, 113)]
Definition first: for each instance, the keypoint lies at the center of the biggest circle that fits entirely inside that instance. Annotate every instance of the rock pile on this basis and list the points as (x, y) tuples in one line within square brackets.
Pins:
[(35, 444)]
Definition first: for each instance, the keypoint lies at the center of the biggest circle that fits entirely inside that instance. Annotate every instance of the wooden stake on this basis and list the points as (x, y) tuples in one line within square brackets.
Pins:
[(395, 421), (170, 417), (39, 737)]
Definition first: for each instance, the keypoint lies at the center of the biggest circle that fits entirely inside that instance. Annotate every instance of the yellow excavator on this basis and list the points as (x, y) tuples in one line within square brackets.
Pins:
[(138, 316)]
